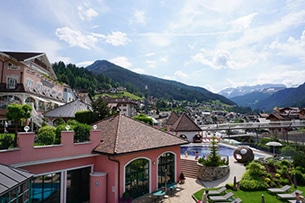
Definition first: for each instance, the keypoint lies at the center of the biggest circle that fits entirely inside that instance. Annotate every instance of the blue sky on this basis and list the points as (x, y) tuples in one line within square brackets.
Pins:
[(212, 44)]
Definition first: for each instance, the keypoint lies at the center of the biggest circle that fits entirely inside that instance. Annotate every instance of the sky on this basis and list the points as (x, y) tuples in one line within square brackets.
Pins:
[(211, 44)]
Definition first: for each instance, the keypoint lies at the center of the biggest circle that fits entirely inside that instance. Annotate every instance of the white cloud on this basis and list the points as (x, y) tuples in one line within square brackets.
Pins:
[(138, 17), (282, 76), (86, 14), (164, 59), (121, 61), (243, 22), (200, 58), (138, 70), (180, 74), (115, 38), (151, 63), (84, 63), (150, 54), (157, 39), (75, 38)]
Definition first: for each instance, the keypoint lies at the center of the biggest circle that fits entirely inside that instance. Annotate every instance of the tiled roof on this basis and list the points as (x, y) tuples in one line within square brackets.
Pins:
[(21, 56), (68, 110), (172, 118), (121, 134), (185, 123), (11, 177)]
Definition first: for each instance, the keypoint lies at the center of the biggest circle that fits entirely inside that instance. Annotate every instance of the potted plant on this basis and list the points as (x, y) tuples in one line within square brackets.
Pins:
[(182, 178), (126, 198)]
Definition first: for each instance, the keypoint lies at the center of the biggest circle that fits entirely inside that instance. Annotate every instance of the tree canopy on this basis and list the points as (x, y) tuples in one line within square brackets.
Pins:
[(17, 113)]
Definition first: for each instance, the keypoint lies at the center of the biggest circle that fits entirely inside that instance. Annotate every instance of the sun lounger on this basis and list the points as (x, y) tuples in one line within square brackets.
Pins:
[(217, 192), (237, 200), (288, 195), (221, 198), (283, 189)]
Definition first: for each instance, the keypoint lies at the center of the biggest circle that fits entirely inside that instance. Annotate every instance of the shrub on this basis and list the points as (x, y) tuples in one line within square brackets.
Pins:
[(85, 117), (267, 180), (284, 181), (230, 186), (46, 135), (7, 142), (300, 177), (82, 132)]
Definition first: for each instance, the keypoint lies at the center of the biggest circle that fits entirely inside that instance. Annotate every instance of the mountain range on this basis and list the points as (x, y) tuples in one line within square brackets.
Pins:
[(266, 97), (261, 97), (156, 87)]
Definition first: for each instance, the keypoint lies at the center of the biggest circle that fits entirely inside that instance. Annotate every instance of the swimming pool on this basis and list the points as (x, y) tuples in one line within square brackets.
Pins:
[(204, 150)]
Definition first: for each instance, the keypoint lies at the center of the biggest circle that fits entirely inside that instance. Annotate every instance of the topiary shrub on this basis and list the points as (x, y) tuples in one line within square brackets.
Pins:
[(85, 117), (82, 132), (46, 135)]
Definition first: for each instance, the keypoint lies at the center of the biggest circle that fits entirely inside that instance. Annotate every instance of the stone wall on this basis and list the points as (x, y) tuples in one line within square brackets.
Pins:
[(210, 173)]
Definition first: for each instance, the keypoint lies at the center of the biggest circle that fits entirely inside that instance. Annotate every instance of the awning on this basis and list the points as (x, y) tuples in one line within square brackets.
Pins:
[(58, 103), (39, 99)]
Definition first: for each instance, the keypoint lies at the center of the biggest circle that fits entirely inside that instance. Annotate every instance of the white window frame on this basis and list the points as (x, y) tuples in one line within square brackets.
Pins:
[(11, 82)]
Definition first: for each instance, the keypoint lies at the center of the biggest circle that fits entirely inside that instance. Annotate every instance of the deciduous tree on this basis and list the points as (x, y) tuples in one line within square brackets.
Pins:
[(17, 113)]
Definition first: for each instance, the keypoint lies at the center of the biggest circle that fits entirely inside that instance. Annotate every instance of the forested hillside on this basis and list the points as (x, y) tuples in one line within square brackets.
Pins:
[(158, 88), (81, 78)]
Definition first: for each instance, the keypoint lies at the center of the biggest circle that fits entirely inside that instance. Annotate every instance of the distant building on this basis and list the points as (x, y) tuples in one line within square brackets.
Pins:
[(184, 127), (123, 105)]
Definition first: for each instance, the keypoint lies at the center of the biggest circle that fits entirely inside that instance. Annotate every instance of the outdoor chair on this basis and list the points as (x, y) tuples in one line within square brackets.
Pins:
[(237, 200), (217, 192), (288, 195), (221, 198), (283, 189)]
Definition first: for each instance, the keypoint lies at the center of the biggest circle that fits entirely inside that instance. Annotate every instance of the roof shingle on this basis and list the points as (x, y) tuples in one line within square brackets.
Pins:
[(185, 123), (121, 134)]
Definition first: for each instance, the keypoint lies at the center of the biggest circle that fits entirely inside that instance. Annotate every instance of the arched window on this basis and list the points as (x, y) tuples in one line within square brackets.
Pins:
[(137, 178), (30, 101), (166, 169), (8, 99)]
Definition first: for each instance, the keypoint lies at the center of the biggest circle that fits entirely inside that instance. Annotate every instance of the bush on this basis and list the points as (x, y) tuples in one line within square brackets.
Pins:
[(284, 181), (230, 186), (46, 135), (82, 132), (7, 142), (300, 177), (86, 117)]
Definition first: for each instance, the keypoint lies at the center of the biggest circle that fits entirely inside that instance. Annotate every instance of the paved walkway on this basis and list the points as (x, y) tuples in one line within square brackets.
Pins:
[(186, 190)]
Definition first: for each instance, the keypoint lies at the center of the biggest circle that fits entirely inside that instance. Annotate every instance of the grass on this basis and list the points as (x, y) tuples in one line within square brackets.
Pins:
[(121, 95), (251, 196)]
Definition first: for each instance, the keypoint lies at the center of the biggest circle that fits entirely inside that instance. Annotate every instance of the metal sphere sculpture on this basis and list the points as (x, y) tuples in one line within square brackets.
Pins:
[(243, 154)]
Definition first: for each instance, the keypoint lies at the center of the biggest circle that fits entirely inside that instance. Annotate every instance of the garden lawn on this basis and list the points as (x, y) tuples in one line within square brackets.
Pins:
[(251, 196)]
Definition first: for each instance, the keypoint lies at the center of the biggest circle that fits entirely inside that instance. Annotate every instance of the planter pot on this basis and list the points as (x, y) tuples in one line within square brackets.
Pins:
[(182, 181)]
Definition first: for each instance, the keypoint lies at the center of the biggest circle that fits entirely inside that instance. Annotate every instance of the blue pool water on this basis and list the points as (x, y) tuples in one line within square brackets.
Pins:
[(204, 150)]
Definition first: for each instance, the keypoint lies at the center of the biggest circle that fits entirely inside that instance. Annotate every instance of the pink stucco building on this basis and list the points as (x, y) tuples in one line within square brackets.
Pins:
[(123, 155), (28, 78)]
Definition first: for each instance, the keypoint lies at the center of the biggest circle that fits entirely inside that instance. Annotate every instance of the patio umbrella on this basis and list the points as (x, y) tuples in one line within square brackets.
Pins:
[(274, 144)]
